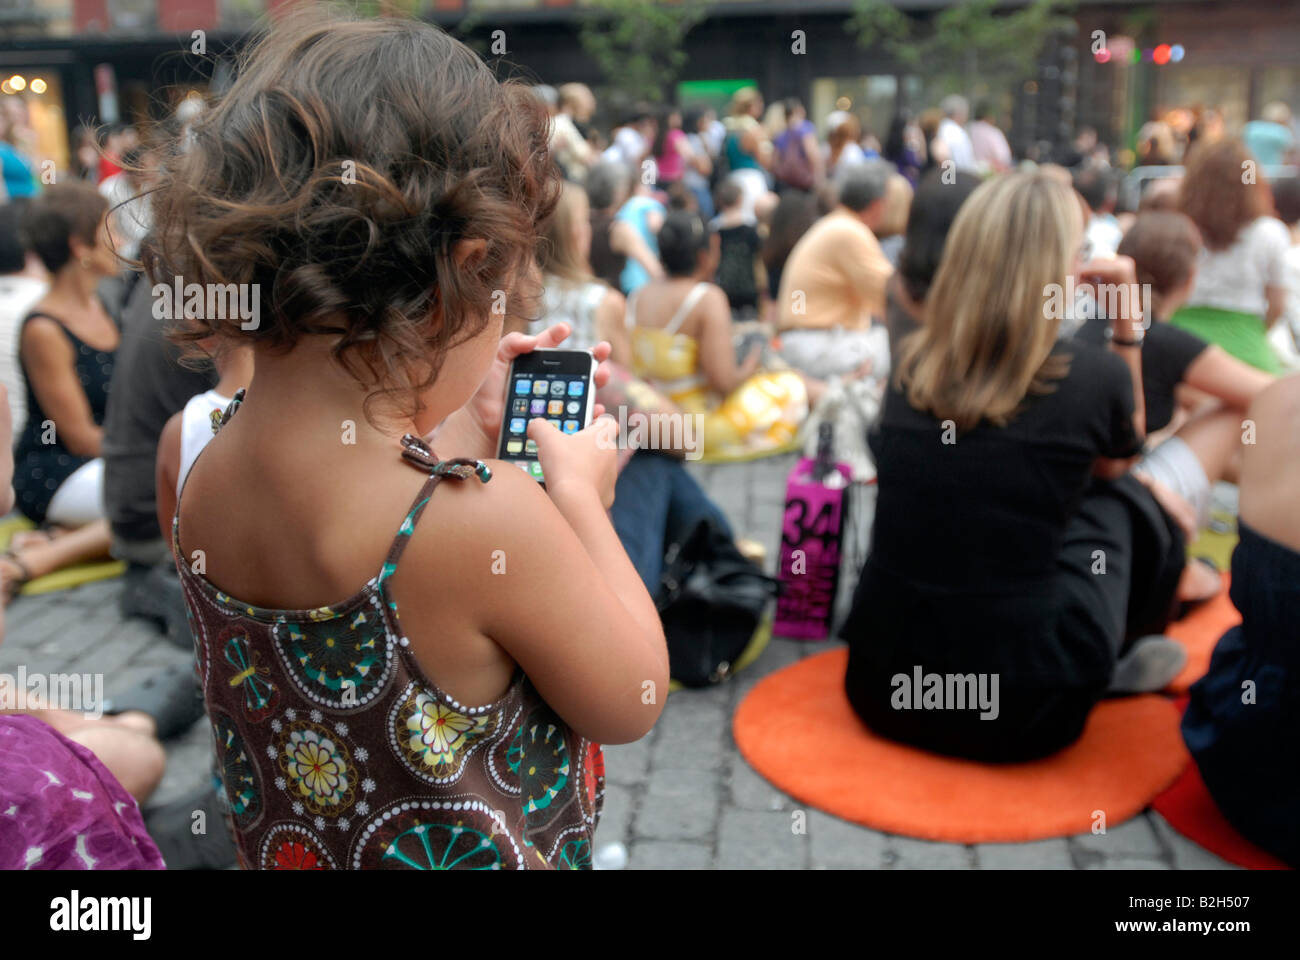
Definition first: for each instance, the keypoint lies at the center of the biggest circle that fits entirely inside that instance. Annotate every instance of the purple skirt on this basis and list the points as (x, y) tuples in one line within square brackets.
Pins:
[(60, 808)]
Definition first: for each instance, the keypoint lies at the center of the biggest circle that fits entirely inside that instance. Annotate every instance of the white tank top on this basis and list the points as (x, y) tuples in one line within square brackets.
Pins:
[(196, 429)]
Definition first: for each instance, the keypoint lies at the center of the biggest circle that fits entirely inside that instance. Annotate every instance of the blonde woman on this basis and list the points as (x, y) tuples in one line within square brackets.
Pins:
[(748, 151), (571, 293), (1000, 561)]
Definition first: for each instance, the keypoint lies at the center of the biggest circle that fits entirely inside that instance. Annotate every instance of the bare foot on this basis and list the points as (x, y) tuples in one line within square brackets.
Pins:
[(1199, 582), (25, 539), (136, 720)]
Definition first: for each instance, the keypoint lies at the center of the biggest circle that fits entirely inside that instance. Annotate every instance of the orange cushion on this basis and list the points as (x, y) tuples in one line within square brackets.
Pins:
[(796, 728)]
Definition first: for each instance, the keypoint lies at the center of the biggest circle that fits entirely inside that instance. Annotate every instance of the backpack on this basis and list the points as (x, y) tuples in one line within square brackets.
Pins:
[(711, 600)]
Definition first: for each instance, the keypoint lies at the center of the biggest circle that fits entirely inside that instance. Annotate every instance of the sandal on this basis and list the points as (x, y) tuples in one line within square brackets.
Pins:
[(14, 584)]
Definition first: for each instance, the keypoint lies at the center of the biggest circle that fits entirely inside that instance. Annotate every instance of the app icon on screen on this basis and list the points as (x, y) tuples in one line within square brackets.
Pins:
[(522, 465), (555, 408), (535, 469), (523, 386), (539, 388), (576, 387), (519, 406), (574, 406), (517, 425), (570, 426), (557, 388), (538, 407), (555, 423), (514, 446), (530, 447)]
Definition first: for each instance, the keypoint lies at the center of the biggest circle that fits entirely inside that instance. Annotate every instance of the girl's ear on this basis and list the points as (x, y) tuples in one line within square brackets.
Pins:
[(79, 249)]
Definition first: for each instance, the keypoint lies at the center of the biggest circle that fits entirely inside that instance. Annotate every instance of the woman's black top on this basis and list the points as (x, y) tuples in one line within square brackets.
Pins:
[(1167, 352), (41, 461), (964, 574)]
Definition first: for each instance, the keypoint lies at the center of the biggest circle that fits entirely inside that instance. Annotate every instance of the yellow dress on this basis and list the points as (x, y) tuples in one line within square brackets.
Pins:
[(762, 415)]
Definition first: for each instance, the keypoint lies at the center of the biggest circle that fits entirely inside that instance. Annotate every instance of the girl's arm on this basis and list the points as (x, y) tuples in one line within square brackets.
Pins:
[(717, 354), (1221, 375), (624, 239), (1277, 299), (51, 370), (1127, 326), (546, 578), (610, 326), (167, 469)]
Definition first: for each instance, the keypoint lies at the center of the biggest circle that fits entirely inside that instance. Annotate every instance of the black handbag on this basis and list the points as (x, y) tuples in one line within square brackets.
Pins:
[(711, 601)]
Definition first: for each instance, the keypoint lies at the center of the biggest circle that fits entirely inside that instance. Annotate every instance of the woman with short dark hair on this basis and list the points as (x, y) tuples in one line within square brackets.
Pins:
[(66, 348)]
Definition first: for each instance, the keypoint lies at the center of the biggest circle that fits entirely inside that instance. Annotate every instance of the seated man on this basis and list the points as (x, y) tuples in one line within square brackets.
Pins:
[(159, 387), (833, 285)]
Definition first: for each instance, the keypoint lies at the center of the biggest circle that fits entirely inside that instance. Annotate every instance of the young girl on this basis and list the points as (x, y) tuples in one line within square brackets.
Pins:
[(405, 665)]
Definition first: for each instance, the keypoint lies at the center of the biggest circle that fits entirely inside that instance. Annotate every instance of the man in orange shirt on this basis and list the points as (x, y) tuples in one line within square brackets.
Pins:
[(833, 285)]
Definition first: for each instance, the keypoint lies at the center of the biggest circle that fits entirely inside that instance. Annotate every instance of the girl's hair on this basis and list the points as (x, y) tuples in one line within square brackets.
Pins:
[(66, 210), (681, 240), (1215, 192), (1164, 247), (894, 139), (987, 339), (560, 256), (338, 174), (934, 207)]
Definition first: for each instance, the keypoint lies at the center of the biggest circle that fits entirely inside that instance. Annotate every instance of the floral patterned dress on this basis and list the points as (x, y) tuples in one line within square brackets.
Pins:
[(336, 751)]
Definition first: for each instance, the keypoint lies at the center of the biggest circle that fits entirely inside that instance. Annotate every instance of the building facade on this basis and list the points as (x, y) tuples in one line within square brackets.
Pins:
[(96, 61)]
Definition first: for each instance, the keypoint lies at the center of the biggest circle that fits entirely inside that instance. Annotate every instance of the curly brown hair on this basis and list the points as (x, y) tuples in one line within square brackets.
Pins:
[(339, 173), (1217, 193)]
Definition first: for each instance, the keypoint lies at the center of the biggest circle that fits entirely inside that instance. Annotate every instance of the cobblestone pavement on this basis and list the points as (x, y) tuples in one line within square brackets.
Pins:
[(682, 797)]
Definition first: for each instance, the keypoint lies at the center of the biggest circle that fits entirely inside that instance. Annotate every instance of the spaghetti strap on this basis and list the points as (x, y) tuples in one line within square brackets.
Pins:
[(416, 453), (684, 311)]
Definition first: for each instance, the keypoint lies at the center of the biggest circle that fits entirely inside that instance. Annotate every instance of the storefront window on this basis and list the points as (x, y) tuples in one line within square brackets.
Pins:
[(1277, 83), (1187, 87), (872, 100), (34, 113)]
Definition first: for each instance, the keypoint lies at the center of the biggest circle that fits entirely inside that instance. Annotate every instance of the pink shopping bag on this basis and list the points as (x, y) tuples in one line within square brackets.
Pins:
[(810, 549)]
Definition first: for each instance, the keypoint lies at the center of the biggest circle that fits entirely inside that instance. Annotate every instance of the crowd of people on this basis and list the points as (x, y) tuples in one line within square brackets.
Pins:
[(740, 270)]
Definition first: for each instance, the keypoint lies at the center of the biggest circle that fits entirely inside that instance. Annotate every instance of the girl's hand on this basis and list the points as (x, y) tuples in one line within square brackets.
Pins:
[(472, 430), (1177, 506), (585, 463)]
